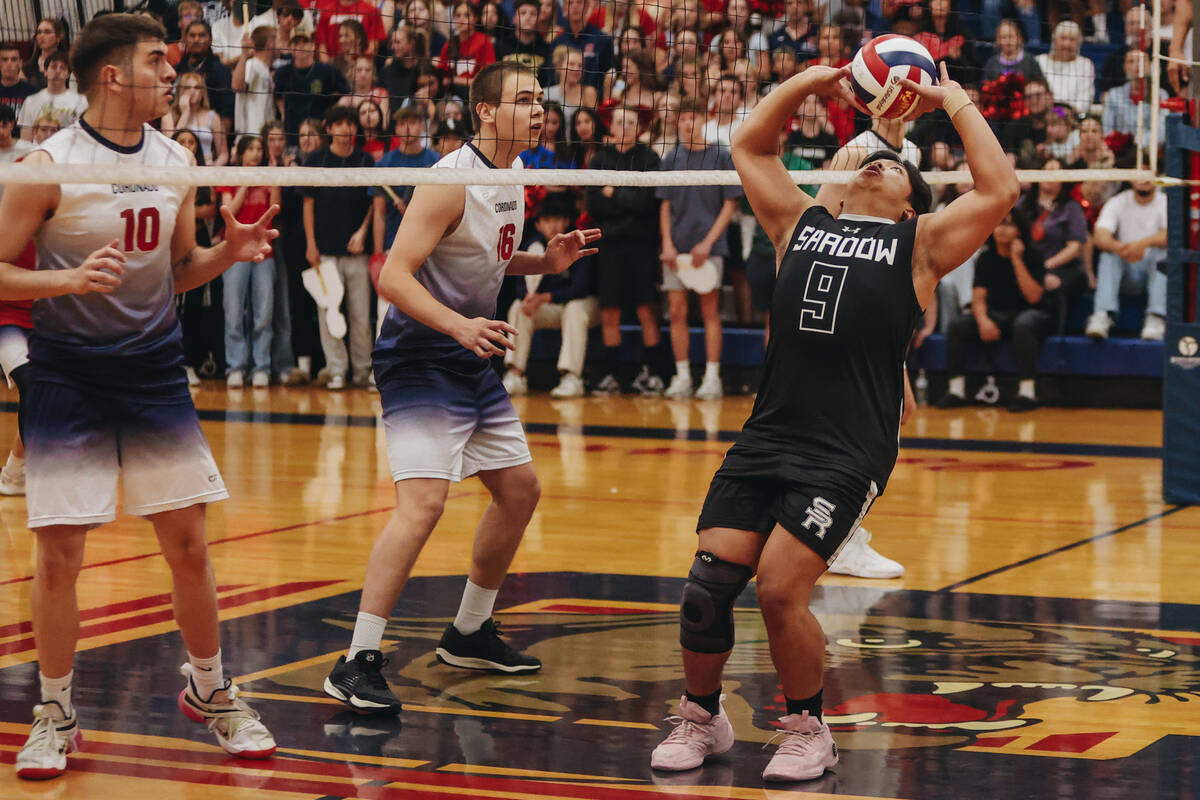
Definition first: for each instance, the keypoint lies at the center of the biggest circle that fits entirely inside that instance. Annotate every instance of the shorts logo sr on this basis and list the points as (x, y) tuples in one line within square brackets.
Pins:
[(819, 513)]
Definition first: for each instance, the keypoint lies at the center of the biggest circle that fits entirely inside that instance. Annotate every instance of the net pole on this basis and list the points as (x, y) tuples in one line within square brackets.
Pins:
[(1155, 88)]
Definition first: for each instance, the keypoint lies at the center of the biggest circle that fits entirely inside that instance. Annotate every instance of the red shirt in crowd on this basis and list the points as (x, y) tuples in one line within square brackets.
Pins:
[(473, 55), (256, 203), (333, 12)]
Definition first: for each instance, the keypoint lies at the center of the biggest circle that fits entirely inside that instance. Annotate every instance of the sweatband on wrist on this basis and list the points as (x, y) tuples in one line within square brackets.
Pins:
[(955, 102)]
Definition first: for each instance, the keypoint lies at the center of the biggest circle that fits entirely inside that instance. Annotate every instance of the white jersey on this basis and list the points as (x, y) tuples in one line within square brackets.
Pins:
[(465, 269), (141, 217)]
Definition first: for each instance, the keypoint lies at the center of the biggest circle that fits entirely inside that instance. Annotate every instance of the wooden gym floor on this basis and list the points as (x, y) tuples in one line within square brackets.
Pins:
[(1044, 641)]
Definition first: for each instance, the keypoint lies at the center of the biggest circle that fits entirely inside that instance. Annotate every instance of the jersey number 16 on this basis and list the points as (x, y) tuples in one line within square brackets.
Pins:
[(504, 250)]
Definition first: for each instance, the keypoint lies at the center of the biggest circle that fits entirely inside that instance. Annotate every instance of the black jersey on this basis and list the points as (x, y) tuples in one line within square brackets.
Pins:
[(842, 316)]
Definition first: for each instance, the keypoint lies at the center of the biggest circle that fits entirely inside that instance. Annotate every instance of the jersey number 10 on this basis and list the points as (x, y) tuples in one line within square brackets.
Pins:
[(141, 229)]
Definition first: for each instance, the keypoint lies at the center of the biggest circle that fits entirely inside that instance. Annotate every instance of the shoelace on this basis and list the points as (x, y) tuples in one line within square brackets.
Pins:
[(795, 743), (686, 732), (42, 736)]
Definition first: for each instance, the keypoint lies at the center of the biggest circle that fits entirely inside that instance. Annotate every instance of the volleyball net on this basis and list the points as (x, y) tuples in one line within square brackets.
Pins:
[(1078, 89)]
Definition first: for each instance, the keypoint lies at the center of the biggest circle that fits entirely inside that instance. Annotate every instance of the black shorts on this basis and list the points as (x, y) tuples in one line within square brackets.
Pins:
[(821, 514), (627, 274)]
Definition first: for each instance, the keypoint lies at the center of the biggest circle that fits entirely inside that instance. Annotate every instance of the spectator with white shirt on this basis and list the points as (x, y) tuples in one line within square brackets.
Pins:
[(253, 105), (728, 111), (1131, 235), (57, 99), (1070, 75)]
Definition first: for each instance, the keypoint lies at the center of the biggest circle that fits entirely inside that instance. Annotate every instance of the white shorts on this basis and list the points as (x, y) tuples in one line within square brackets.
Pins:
[(441, 424), (14, 350), (671, 282), (78, 443)]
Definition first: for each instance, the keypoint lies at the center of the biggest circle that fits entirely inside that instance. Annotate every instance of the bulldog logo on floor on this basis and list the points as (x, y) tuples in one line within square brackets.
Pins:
[(892, 681)]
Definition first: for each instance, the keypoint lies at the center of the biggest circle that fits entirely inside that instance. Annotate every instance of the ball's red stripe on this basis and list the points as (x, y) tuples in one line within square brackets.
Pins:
[(874, 63)]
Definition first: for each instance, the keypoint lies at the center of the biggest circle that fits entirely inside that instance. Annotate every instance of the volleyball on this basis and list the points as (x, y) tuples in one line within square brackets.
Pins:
[(879, 66)]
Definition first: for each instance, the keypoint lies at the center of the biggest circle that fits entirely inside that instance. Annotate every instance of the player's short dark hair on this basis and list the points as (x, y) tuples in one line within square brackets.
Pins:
[(108, 39), (60, 56), (921, 196), (488, 85), (340, 114)]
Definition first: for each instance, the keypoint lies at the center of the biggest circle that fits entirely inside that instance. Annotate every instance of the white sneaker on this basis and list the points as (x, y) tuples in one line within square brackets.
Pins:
[(680, 387), (336, 383), (697, 735), (1099, 324), (859, 559), (192, 378), (237, 727), (12, 477), (806, 752), (53, 736), (1154, 328), (515, 384), (710, 388), (235, 379), (261, 380), (570, 385)]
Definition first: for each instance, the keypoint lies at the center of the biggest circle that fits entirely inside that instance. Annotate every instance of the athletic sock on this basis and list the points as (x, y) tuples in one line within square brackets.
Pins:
[(709, 702), (810, 704), (58, 690), (207, 674), (712, 370), (368, 634), (1026, 388), (475, 608), (958, 386), (683, 368)]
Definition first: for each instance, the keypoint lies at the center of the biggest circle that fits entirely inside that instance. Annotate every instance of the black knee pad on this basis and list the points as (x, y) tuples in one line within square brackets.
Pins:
[(706, 613), (20, 376)]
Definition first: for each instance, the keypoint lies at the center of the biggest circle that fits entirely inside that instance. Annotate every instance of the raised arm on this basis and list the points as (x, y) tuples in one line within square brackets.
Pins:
[(963, 226), (195, 266), (776, 199)]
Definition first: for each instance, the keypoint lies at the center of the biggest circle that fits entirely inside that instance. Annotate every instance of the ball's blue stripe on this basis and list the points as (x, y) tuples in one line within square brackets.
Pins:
[(897, 58), (866, 97)]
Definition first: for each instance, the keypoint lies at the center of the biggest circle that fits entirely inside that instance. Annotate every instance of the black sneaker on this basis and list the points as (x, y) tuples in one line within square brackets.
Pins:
[(951, 400), (647, 383), (607, 386), (1021, 404), (360, 684), (483, 649)]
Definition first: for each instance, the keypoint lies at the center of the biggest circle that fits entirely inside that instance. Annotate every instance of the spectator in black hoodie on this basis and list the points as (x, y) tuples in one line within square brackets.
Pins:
[(627, 263)]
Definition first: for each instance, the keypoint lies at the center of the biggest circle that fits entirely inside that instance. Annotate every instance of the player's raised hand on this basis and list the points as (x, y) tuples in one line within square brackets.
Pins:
[(101, 271), (930, 98), (250, 242), (566, 248), (485, 337), (833, 83)]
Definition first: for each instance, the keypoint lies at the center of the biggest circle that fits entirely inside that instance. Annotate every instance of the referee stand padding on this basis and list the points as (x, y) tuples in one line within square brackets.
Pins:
[(1181, 366)]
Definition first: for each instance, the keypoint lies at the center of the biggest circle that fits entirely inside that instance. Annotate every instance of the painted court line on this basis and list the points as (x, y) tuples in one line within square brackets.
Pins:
[(1031, 559)]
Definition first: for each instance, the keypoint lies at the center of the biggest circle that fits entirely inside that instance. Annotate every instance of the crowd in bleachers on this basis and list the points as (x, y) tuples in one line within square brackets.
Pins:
[(637, 85)]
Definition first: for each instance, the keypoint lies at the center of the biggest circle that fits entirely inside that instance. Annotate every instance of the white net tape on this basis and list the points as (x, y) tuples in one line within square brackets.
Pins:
[(416, 176)]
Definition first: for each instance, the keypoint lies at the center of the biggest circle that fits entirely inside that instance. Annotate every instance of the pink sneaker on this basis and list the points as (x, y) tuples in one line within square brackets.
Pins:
[(697, 735), (806, 752)]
